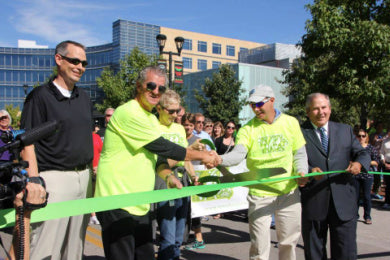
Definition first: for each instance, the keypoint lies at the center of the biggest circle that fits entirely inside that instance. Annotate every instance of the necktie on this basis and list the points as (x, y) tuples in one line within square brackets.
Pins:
[(324, 139)]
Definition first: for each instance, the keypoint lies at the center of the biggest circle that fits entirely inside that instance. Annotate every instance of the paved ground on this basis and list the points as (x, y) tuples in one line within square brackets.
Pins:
[(228, 239)]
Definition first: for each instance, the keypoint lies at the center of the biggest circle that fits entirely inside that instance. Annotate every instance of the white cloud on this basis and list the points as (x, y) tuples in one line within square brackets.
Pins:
[(57, 20)]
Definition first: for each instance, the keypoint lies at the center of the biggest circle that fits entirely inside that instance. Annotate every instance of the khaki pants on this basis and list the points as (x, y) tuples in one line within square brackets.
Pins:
[(62, 238), (287, 210)]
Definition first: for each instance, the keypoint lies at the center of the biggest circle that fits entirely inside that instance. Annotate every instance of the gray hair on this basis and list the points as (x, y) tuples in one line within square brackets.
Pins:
[(312, 96), (109, 109), (62, 47), (5, 112), (169, 97), (155, 69)]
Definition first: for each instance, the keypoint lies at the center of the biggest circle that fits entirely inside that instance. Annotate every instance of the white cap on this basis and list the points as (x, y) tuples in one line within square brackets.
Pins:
[(259, 93)]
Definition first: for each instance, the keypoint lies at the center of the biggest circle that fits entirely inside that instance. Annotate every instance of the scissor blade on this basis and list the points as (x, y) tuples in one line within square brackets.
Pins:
[(249, 176)]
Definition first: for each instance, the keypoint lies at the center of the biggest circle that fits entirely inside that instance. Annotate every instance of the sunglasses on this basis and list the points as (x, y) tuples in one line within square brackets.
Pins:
[(259, 104), (361, 136), (172, 111), (208, 125), (151, 86), (75, 61), (230, 127), (108, 115), (3, 117)]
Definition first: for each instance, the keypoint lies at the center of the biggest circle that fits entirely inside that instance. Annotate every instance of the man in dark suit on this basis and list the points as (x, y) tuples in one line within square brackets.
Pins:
[(329, 201)]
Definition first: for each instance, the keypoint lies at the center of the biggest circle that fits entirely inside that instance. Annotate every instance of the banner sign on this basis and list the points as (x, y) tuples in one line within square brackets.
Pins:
[(162, 64), (224, 200), (178, 72)]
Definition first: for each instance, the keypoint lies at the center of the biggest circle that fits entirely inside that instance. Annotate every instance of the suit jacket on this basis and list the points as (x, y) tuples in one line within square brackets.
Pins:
[(343, 148)]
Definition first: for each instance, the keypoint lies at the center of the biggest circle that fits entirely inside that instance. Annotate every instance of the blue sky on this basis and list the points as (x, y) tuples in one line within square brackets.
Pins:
[(90, 22)]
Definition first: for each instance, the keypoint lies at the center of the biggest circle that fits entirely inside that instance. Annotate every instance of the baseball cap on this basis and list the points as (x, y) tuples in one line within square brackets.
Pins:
[(259, 93)]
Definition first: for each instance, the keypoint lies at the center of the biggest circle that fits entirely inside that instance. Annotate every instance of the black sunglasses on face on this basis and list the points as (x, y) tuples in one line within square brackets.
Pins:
[(151, 86), (230, 127), (3, 117), (259, 104), (75, 61), (172, 111), (362, 136)]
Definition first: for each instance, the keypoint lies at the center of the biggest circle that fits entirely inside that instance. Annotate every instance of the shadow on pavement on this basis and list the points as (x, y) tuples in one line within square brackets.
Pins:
[(373, 255), (93, 257), (194, 255)]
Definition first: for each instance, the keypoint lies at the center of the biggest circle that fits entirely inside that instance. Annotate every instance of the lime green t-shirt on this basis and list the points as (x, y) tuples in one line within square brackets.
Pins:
[(270, 146), (176, 134), (125, 166)]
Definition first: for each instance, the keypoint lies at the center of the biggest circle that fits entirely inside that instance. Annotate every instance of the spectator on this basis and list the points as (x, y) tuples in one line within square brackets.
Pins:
[(180, 115), (97, 149), (225, 143), (376, 139), (172, 215), (189, 122), (208, 126), (329, 202), (5, 128), (218, 130), (63, 158), (198, 131), (385, 159), (364, 180), (128, 163), (107, 116), (271, 139)]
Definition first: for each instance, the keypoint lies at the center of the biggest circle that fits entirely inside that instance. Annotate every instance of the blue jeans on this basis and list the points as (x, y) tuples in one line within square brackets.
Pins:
[(365, 184), (171, 220)]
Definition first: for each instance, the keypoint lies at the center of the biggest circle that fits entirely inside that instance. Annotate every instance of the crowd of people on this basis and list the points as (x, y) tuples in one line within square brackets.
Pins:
[(151, 143)]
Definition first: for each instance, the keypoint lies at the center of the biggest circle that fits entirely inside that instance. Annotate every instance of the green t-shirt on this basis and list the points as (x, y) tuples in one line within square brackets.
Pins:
[(125, 166), (176, 134), (271, 146)]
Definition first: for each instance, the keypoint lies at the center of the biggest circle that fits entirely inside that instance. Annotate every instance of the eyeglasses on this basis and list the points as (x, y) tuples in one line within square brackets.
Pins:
[(151, 86), (108, 115), (208, 125), (75, 61), (172, 111), (3, 117), (259, 104), (200, 122), (361, 136), (230, 127)]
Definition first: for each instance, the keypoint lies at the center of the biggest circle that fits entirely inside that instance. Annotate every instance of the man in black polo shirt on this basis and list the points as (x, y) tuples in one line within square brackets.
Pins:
[(64, 158)]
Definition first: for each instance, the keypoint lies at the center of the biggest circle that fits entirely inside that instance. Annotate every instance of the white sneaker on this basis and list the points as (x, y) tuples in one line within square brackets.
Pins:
[(94, 221)]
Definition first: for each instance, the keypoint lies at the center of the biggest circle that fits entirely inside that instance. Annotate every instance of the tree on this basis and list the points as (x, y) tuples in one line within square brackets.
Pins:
[(15, 114), (119, 87), (220, 97), (347, 56)]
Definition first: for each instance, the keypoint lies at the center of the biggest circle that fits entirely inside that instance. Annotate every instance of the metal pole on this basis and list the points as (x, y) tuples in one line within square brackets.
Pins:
[(170, 70)]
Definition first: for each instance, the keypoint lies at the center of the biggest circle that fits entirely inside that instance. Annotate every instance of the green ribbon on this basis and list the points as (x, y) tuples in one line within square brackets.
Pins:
[(85, 206)]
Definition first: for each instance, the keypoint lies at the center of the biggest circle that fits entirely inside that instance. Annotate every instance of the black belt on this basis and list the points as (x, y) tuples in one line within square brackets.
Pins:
[(79, 168)]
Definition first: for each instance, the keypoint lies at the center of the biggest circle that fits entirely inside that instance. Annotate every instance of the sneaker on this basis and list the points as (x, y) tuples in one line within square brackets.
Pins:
[(376, 196), (195, 245), (94, 221), (386, 206)]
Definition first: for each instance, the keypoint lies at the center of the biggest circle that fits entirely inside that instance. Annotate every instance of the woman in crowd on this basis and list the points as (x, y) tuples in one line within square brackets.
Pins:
[(225, 143), (208, 126), (188, 122), (5, 128), (172, 215), (365, 180), (217, 130)]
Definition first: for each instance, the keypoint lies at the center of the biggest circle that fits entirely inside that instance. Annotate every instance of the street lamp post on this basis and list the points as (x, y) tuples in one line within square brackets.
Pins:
[(161, 38)]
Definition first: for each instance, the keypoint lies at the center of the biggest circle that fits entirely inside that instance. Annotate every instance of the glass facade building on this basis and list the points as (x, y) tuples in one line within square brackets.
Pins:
[(33, 66)]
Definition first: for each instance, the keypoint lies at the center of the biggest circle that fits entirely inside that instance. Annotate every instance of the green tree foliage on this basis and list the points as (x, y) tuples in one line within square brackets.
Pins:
[(220, 96), (347, 56), (15, 114), (119, 87)]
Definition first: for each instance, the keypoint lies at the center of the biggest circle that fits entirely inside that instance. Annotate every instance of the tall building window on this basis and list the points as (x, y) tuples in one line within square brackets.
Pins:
[(187, 63), (216, 64), (230, 50), (216, 48), (243, 49), (202, 64), (202, 46), (187, 45)]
